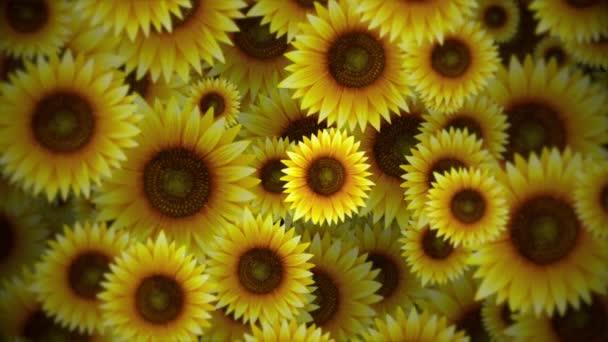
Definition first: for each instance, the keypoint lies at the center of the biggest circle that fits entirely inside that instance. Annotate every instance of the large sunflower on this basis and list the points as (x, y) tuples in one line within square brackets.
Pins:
[(500, 18), (157, 291), (218, 93), (344, 70), (66, 123), (34, 27), (187, 176), (326, 177), (284, 17), (261, 270), (547, 258), (68, 278), (570, 19), (548, 106), (446, 72), (591, 197), (287, 331), (269, 193)]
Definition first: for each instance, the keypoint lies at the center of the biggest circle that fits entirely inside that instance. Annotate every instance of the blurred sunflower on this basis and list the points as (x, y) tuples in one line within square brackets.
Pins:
[(66, 124), (187, 176), (579, 20), (269, 195), (34, 27), (283, 17), (224, 327), (547, 258), (548, 106), (496, 319), (345, 71), (287, 331), (93, 41), (593, 53), (446, 72), (68, 277), (157, 291), (218, 93), (261, 270), (500, 18), (553, 48), (591, 197), (326, 177), (525, 38)]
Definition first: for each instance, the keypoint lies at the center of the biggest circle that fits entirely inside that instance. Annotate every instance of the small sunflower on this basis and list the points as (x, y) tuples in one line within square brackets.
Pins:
[(285, 331), (68, 277), (261, 270), (34, 27), (500, 18), (345, 71), (269, 193), (415, 327), (224, 327), (66, 124), (593, 53), (581, 21), (446, 72), (496, 319), (467, 206), (284, 17), (157, 291), (187, 176), (326, 177), (218, 93), (591, 197), (433, 259), (552, 48), (548, 106), (546, 259)]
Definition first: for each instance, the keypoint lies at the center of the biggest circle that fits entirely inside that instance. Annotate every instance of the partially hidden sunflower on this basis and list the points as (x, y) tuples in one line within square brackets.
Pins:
[(67, 123), (326, 177), (551, 47), (547, 258), (224, 327), (571, 20), (591, 197), (496, 319), (287, 331), (149, 91), (500, 18), (446, 72), (68, 277), (593, 53), (285, 17), (269, 193), (187, 176), (157, 291), (348, 73), (218, 93)]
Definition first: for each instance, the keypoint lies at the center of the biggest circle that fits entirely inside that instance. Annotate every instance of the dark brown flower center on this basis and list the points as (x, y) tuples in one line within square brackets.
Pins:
[(327, 297), (177, 182), (326, 176), (532, 126), (587, 323), (8, 65), (310, 3), (468, 206), (434, 246), (159, 299), (271, 174), (471, 322), (389, 273), (356, 60), (462, 122), (8, 238), (544, 229), (394, 142), (297, 129), (604, 198), (40, 327), (86, 273), (451, 59), (212, 100), (63, 122), (140, 86), (260, 270), (442, 166), (495, 16), (256, 41), (26, 16), (583, 3)]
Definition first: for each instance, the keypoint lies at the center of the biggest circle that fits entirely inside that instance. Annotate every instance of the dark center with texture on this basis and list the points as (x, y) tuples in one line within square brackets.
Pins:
[(581, 4), (177, 182), (7, 238), (463, 122), (63, 122), (544, 229), (260, 270), (26, 16), (40, 327), (140, 86), (471, 322), (86, 273), (159, 299), (434, 246), (327, 297), (310, 3), (389, 273), (587, 323), (297, 129), (271, 174), (326, 176), (256, 41), (212, 100), (394, 142), (356, 60), (452, 59), (604, 198), (495, 16), (443, 166), (468, 206)]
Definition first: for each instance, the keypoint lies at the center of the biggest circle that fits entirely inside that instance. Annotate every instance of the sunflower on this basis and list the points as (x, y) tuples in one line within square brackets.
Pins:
[(593, 53), (496, 319), (581, 21), (291, 331), (218, 93), (224, 327), (149, 91), (467, 206), (261, 270), (436, 154), (547, 257), (525, 38), (345, 288), (68, 278), (415, 327), (277, 115), (194, 37), (548, 106), (552, 48), (34, 27), (66, 123), (480, 116), (326, 177), (269, 195), (434, 260), (345, 71), (255, 63), (424, 20), (94, 42), (446, 72), (591, 197), (500, 18), (157, 291), (283, 17), (187, 176)]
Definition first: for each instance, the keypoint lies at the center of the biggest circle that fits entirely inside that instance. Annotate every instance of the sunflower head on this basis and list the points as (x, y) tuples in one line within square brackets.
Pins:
[(269, 192), (500, 18), (217, 93)]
